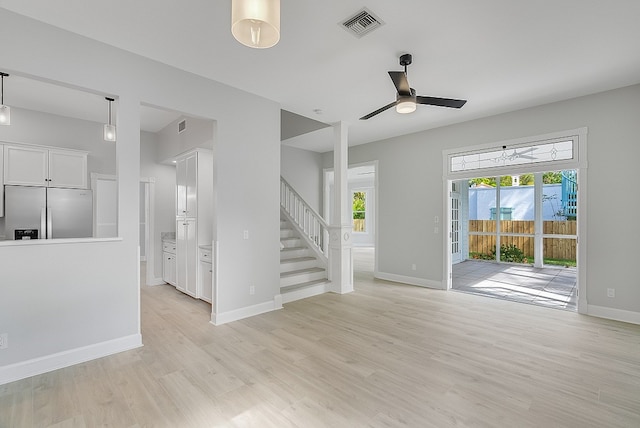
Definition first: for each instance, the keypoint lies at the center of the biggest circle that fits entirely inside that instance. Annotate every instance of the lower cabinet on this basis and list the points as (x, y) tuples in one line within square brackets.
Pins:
[(169, 268), (169, 262), (187, 256), (206, 275)]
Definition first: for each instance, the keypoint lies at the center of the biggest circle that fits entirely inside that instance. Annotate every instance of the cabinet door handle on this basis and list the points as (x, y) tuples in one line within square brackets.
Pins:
[(210, 271)]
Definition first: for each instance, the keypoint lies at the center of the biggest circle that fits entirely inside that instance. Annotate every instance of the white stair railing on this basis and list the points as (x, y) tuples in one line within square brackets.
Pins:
[(315, 229)]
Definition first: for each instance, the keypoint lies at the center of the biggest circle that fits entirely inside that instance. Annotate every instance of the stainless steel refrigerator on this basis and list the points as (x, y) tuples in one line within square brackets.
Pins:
[(47, 212)]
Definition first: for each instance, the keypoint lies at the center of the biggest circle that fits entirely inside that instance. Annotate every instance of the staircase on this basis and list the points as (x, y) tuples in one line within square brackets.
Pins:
[(304, 236), (302, 272)]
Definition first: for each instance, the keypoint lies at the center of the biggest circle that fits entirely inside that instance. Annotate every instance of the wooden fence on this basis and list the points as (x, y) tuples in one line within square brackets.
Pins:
[(553, 248)]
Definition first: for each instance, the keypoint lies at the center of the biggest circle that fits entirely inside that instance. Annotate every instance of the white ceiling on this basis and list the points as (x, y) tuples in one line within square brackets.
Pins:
[(500, 55)]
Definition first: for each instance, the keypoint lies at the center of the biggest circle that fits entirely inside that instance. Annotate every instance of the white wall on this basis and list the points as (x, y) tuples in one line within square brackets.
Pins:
[(303, 171), (198, 133), (410, 190), (87, 295)]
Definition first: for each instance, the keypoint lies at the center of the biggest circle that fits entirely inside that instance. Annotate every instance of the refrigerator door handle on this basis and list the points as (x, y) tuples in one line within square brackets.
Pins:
[(49, 224), (43, 223)]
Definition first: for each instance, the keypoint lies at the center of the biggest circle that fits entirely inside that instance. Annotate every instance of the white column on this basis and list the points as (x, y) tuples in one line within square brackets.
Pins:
[(340, 242), (538, 241)]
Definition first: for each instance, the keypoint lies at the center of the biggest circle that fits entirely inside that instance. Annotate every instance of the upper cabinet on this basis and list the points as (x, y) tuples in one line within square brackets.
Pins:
[(42, 166), (187, 185)]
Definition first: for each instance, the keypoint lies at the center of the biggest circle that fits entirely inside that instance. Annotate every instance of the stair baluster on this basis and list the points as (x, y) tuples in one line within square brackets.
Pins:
[(306, 218)]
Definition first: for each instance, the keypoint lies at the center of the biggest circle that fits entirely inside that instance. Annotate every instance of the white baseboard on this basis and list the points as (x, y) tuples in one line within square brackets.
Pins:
[(36, 366), (614, 314), (420, 282), (246, 312)]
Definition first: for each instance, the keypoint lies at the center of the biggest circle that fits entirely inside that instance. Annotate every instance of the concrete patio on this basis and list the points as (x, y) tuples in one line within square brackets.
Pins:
[(553, 287)]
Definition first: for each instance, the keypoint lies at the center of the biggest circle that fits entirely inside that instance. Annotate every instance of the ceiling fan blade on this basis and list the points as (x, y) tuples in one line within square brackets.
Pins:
[(441, 102), (380, 110), (400, 81)]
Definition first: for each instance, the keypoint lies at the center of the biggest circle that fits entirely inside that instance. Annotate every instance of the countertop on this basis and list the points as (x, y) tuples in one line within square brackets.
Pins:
[(168, 237)]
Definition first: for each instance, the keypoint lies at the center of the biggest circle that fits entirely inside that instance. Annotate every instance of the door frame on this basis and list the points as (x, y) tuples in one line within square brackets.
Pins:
[(578, 163), (149, 243), (327, 196)]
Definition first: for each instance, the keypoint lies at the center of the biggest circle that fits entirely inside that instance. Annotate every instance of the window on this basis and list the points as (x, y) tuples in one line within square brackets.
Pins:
[(551, 151), (359, 210)]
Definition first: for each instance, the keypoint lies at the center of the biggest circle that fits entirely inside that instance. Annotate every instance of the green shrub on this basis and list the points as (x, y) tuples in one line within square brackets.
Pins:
[(510, 253)]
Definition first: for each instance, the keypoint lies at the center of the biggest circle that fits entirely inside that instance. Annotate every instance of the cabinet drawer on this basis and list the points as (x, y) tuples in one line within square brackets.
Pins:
[(205, 255), (169, 247)]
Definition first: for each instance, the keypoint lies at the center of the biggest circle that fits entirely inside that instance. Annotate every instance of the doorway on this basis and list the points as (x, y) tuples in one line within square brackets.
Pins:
[(105, 211), (521, 238), (511, 236), (362, 190)]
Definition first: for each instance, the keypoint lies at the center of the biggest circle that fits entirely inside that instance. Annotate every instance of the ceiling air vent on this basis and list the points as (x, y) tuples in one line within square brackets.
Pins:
[(182, 125), (363, 22)]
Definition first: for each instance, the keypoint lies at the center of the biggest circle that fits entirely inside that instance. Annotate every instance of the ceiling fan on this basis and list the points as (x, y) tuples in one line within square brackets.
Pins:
[(406, 98)]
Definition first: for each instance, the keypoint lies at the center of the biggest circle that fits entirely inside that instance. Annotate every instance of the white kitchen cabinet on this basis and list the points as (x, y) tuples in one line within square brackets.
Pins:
[(169, 268), (205, 291), (194, 216), (169, 262), (67, 169), (187, 256), (44, 166), (187, 185)]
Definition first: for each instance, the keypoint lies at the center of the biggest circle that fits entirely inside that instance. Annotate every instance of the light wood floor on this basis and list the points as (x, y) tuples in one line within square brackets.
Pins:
[(387, 355)]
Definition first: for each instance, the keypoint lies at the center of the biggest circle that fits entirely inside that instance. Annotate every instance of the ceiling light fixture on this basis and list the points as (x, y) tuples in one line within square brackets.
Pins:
[(109, 128), (5, 111), (406, 103), (256, 23)]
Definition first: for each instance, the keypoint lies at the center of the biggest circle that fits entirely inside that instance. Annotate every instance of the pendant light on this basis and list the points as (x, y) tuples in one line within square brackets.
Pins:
[(109, 128), (5, 111), (256, 23)]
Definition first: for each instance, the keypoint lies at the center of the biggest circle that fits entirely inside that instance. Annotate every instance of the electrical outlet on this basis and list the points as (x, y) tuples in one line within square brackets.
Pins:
[(413, 266), (4, 340), (252, 290), (611, 292), (436, 230), (436, 219), (245, 234)]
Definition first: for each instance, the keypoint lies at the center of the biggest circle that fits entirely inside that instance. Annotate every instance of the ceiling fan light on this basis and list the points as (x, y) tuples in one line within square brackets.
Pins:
[(256, 23), (406, 105), (5, 115)]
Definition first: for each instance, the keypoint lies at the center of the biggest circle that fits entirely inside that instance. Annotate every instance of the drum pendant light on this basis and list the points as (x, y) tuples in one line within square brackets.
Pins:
[(256, 23), (5, 111)]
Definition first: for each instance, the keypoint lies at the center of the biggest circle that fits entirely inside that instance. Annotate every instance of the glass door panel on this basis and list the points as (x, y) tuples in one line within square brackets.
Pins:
[(482, 223), (517, 218)]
